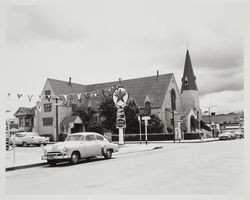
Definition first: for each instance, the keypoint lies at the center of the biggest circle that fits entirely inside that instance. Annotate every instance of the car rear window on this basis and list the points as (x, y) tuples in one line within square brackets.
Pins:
[(90, 138)]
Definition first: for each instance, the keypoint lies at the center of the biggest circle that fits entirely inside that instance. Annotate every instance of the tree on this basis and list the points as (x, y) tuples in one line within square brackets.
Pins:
[(131, 111), (87, 115), (108, 113), (155, 125)]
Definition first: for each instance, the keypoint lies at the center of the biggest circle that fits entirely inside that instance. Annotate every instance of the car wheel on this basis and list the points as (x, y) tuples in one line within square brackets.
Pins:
[(52, 162), (108, 154), (25, 144), (38, 145), (74, 158)]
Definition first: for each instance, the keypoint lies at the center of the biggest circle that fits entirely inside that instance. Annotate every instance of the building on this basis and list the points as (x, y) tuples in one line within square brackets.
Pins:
[(189, 96), (58, 99), (230, 121), (153, 92), (25, 118)]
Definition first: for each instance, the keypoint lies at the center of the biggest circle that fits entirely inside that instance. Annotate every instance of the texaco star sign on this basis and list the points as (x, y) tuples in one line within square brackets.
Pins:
[(120, 97)]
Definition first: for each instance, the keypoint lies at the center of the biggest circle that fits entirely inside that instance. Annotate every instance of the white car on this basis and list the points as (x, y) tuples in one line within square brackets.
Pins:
[(77, 146), (28, 138), (225, 136)]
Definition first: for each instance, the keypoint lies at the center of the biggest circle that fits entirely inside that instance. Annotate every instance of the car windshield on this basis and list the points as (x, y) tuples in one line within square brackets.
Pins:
[(33, 134), (74, 138)]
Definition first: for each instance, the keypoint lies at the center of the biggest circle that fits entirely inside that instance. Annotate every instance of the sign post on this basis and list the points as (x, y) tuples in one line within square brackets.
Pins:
[(146, 118), (120, 98), (139, 119)]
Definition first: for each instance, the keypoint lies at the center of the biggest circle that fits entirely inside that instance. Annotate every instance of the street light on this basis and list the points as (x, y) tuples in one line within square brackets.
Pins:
[(209, 114)]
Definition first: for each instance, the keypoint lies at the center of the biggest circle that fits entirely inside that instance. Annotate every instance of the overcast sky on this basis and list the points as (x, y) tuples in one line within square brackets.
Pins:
[(100, 41)]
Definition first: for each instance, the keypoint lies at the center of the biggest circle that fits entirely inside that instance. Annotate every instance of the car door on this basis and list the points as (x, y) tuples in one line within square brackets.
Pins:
[(101, 141), (91, 146)]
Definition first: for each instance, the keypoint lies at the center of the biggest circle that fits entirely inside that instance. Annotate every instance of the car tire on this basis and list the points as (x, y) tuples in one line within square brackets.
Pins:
[(25, 144), (108, 154), (74, 158), (38, 145), (52, 162)]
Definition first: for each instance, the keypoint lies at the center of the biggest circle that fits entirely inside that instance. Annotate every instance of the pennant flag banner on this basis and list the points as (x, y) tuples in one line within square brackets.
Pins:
[(30, 97), (75, 96)]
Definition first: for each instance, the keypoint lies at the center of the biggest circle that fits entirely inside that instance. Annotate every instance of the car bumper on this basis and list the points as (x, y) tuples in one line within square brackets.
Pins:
[(55, 157)]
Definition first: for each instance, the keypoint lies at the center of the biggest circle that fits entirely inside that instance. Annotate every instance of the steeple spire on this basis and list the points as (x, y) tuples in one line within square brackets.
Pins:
[(188, 78)]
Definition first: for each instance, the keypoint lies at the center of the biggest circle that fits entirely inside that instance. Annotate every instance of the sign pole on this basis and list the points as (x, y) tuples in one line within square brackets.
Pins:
[(139, 119), (120, 99), (146, 118), (121, 140)]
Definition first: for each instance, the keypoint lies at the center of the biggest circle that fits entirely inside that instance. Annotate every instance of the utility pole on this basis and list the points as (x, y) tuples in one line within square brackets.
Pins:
[(57, 119), (173, 106)]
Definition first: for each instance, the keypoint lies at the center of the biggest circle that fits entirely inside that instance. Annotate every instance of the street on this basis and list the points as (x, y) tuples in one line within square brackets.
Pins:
[(192, 168)]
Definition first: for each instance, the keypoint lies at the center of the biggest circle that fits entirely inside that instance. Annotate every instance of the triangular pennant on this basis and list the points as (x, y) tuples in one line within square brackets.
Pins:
[(39, 108), (65, 97), (9, 94), (79, 96), (30, 97), (40, 97), (19, 95), (49, 97)]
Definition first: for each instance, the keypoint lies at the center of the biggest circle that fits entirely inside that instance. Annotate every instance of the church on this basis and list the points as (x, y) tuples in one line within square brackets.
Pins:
[(54, 110)]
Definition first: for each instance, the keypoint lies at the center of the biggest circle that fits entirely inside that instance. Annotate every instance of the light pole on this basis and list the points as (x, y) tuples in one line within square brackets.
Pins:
[(209, 116)]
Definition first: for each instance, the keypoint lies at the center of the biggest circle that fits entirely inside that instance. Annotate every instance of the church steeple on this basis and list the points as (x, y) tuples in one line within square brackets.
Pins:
[(188, 78)]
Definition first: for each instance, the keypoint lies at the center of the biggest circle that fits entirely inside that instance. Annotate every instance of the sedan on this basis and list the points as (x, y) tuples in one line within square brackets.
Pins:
[(225, 136), (28, 138), (79, 145)]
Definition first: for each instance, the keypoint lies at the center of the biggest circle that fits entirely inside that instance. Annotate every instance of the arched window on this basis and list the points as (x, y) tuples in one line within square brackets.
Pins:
[(147, 108), (186, 81)]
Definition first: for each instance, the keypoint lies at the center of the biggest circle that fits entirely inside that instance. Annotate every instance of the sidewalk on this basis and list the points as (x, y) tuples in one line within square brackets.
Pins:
[(31, 156)]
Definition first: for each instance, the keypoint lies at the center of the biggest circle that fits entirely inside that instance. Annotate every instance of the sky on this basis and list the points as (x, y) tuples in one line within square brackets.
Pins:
[(100, 41)]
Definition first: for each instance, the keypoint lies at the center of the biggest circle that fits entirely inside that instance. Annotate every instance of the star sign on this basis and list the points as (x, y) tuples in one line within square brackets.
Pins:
[(120, 95)]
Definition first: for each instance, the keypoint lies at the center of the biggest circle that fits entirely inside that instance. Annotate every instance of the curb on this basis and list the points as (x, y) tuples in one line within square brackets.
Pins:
[(25, 166), (45, 163)]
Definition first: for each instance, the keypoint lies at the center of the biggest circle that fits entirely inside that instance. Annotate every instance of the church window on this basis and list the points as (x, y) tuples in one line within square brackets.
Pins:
[(147, 108), (186, 81)]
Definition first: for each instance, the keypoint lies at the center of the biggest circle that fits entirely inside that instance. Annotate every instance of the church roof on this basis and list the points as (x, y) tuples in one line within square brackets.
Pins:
[(188, 78), (154, 86), (63, 87)]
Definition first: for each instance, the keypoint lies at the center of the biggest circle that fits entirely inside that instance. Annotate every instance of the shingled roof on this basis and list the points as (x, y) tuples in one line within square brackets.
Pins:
[(155, 87), (25, 111), (63, 87)]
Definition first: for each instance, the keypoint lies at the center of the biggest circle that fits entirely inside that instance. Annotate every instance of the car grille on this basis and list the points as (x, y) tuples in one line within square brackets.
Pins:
[(54, 153)]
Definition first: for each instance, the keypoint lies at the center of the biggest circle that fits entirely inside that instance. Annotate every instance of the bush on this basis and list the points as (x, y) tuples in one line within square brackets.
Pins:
[(62, 137)]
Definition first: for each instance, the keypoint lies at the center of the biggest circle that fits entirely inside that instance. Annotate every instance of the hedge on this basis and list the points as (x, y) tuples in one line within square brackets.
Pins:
[(155, 137)]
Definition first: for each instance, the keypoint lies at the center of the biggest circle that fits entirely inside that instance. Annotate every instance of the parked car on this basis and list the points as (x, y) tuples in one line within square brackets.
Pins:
[(77, 146), (225, 136), (239, 134), (233, 135), (28, 138)]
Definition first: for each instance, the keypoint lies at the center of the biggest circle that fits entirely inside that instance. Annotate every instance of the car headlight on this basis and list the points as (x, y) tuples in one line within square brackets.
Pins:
[(65, 149)]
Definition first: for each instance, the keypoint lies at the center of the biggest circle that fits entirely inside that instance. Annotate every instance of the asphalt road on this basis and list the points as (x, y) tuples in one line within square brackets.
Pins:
[(199, 168)]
